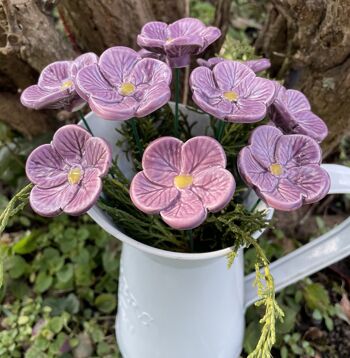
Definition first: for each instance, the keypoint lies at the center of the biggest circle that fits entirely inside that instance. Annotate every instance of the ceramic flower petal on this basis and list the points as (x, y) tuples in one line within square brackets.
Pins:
[(186, 213), (202, 78), (291, 111), (161, 160), (67, 173), (114, 111), (284, 170), (117, 62), (229, 74), (56, 85), (123, 85), (150, 71), (247, 111), (54, 74), (153, 36), (91, 83), (149, 197), (69, 141), (296, 100), (89, 190), (38, 98), (253, 173), (287, 196), (215, 187), (51, 201), (310, 124), (45, 168), (179, 40), (312, 180), (258, 65), (210, 34), (263, 144), (231, 92), (185, 27), (82, 61), (153, 97), (201, 153), (260, 89), (97, 154), (297, 150)]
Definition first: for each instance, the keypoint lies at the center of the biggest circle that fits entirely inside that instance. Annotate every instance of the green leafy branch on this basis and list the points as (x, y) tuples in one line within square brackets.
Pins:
[(266, 291), (16, 205)]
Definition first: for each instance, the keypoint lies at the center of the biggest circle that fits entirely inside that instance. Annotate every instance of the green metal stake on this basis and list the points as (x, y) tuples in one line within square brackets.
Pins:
[(81, 115), (177, 98), (135, 133), (220, 130), (190, 239)]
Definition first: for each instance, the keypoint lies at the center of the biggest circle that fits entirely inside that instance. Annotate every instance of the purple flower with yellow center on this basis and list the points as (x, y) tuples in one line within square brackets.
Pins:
[(183, 181), (291, 111), (259, 65), (231, 91), (284, 170), (56, 85), (67, 173), (179, 40), (123, 85)]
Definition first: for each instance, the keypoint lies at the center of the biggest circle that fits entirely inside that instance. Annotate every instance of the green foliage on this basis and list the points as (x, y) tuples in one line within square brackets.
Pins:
[(202, 10), (69, 270)]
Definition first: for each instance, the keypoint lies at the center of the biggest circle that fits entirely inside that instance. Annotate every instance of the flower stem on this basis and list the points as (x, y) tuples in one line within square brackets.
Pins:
[(190, 239), (220, 130), (135, 133), (82, 117), (255, 205), (177, 98)]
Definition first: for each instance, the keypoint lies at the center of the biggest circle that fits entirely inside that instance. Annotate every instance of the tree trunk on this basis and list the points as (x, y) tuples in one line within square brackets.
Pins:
[(29, 41), (308, 43), (222, 19), (97, 25)]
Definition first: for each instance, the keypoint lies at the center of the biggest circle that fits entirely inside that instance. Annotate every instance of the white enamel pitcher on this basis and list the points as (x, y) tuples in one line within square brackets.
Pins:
[(181, 305)]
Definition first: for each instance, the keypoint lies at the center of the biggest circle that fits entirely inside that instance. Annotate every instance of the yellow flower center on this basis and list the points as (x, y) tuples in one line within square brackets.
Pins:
[(126, 89), (183, 181), (276, 169), (231, 96), (74, 176), (66, 84)]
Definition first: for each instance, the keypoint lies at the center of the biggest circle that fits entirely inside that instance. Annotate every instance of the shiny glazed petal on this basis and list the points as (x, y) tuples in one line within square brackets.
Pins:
[(161, 160), (215, 188), (186, 213), (150, 197)]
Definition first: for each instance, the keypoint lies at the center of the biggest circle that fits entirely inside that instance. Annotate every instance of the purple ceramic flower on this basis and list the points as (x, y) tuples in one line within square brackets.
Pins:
[(284, 170), (56, 85), (232, 92), (291, 111), (259, 65), (182, 181), (148, 54), (122, 85), (179, 40), (67, 173)]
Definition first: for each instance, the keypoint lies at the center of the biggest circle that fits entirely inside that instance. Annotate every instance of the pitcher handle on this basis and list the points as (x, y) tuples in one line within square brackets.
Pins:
[(316, 255)]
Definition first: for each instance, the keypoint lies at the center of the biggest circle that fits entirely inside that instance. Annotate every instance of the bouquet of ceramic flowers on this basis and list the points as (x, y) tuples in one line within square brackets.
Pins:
[(188, 182)]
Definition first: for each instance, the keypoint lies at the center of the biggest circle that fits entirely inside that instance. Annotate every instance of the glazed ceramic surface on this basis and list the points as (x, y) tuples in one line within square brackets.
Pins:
[(190, 305)]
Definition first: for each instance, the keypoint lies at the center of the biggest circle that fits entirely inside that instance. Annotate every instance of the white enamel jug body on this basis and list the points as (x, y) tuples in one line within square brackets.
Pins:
[(180, 305)]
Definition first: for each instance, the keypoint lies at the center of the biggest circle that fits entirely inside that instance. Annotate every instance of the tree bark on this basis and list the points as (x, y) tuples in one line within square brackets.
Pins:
[(222, 19), (97, 25), (29, 41), (308, 43)]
